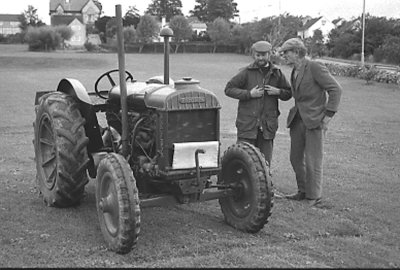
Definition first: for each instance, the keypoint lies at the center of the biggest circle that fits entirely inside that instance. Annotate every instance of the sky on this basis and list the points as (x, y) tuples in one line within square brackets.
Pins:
[(249, 10)]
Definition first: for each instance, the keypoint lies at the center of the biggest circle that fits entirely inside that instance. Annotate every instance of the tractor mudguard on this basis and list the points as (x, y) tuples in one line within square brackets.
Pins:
[(73, 87)]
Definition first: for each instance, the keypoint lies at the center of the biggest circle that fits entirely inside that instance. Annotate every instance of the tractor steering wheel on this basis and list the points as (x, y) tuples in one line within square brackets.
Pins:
[(101, 92)]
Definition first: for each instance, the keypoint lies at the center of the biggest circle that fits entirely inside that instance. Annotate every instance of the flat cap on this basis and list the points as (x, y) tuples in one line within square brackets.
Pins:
[(292, 43), (261, 46)]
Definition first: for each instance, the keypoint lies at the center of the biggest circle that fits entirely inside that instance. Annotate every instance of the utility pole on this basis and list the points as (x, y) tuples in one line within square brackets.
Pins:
[(363, 33), (279, 9)]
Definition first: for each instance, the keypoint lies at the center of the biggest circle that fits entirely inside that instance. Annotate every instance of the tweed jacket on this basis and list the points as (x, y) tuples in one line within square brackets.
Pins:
[(310, 90), (255, 113)]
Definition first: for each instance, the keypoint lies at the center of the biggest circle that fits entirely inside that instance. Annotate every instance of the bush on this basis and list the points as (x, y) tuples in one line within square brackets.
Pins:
[(90, 47), (43, 38), (368, 73)]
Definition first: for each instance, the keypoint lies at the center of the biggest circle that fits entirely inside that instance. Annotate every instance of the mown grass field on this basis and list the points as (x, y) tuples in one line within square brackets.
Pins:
[(357, 227)]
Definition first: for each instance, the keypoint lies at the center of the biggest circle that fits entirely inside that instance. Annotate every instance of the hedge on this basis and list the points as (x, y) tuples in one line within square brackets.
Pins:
[(368, 73)]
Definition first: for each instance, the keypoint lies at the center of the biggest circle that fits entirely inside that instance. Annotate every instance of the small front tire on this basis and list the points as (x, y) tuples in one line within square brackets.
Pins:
[(117, 202), (244, 169)]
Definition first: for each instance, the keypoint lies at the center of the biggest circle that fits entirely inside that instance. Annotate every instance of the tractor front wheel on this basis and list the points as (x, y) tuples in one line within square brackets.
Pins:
[(117, 202), (244, 169)]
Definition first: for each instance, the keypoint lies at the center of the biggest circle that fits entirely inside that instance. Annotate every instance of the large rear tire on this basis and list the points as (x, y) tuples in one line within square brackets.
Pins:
[(245, 168), (60, 150), (117, 202)]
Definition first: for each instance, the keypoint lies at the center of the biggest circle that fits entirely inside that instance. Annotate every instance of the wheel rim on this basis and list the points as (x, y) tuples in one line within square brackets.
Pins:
[(108, 204), (238, 174), (48, 152)]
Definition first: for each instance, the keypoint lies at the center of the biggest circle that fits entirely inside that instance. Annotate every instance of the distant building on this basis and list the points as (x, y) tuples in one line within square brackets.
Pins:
[(320, 23), (197, 26), (78, 38), (9, 24), (76, 14)]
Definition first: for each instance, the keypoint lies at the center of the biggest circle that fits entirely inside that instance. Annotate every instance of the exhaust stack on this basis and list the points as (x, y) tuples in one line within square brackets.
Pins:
[(166, 32)]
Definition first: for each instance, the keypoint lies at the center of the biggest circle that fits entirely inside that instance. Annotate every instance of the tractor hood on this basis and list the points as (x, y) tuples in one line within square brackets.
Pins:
[(184, 96)]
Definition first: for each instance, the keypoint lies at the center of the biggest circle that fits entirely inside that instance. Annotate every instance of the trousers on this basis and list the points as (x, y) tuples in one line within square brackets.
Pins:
[(306, 157), (265, 146)]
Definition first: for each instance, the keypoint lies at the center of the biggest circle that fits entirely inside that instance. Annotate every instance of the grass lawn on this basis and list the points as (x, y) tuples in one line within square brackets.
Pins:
[(357, 227)]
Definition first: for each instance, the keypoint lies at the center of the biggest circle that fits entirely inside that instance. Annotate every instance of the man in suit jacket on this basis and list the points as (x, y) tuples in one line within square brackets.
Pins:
[(308, 119)]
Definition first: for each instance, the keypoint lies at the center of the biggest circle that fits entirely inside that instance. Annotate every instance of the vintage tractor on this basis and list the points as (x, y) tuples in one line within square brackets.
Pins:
[(161, 145)]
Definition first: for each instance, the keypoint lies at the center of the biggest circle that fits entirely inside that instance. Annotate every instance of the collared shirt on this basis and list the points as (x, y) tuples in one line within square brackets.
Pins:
[(295, 72)]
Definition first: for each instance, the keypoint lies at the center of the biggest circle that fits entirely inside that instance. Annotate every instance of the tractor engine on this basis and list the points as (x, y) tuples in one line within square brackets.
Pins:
[(161, 119)]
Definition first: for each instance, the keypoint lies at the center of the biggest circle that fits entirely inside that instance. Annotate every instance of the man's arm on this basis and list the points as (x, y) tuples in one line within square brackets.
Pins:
[(328, 83), (286, 89), (235, 88)]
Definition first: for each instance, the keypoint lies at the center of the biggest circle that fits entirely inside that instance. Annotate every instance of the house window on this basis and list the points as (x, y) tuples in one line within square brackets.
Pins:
[(75, 27), (76, 38), (90, 18), (323, 22)]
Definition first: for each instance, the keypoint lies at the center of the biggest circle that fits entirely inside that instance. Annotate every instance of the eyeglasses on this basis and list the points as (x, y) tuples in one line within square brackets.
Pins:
[(284, 52)]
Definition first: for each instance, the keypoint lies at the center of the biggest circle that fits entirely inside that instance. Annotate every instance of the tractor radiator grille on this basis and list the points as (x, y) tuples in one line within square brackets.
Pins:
[(193, 126)]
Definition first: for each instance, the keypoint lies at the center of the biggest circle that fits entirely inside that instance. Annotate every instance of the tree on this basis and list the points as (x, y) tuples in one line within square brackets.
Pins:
[(147, 29), (42, 38), (29, 18), (65, 33), (100, 25), (165, 8), (200, 10), (226, 9), (132, 17), (389, 51), (315, 44), (130, 35), (345, 44), (219, 31), (111, 28), (182, 30), (209, 10), (376, 28)]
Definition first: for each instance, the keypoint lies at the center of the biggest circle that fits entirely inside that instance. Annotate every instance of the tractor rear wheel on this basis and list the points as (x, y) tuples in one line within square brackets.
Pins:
[(60, 150), (117, 202), (245, 169)]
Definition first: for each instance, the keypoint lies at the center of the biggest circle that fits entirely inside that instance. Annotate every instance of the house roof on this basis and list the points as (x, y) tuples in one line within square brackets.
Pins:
[(68, 5), (196, 23), (9, 17), (309, 23), (64, 19)]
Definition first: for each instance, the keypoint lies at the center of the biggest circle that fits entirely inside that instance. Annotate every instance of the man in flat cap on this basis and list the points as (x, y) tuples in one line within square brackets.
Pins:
[(258, 87), (317, 96)]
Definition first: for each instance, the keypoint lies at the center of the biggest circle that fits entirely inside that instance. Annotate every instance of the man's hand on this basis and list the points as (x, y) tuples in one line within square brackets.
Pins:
[(256, 92), (272, 91), (325, 122)]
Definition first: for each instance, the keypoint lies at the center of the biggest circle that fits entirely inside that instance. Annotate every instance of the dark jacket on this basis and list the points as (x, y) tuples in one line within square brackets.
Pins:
[(310, 91), (261, 112)]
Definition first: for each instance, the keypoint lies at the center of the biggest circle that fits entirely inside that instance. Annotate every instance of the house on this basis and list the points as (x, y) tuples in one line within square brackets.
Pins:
[(76, 14), (197, 26), (78, 38), (85, 8), (320, 23), (9, 24)]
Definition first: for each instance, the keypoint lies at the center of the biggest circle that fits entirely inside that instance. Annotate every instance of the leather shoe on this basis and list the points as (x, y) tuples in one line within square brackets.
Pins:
[(296, 196), (313, 202)]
